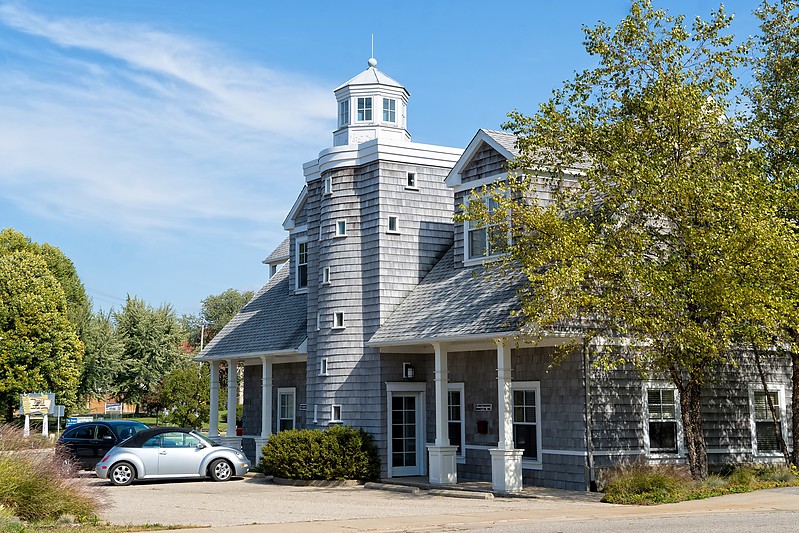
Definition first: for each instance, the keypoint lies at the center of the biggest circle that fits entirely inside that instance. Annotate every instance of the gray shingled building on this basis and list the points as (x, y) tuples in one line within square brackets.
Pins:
[(379, 318)]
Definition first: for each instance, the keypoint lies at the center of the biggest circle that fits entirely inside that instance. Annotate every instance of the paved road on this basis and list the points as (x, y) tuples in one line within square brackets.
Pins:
[(313, 509)]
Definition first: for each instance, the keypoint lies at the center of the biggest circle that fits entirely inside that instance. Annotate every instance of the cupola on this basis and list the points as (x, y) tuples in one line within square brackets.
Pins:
[(371, 106)]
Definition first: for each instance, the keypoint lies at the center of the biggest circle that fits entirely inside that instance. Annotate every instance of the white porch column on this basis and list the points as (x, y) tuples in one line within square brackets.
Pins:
[(213, 426), (443, 470), (266, 405), (232, 396), (506, 462)]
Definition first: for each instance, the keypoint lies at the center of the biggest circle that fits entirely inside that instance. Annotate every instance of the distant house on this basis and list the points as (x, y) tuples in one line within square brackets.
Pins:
[(376, 316)]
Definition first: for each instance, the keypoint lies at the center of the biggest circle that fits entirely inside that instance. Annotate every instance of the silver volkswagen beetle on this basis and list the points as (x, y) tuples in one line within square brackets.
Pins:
[(170, 452)]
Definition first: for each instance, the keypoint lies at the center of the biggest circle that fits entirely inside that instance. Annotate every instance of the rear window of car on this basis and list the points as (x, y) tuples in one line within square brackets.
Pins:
[(84, 432), (125, 431)]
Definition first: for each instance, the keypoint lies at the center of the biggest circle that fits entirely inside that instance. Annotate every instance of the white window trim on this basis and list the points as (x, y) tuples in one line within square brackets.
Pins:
[(293, 392), (343, 105), (470, 261), (325, 275), (389, 110), (344, 220), (323, 362), (297, 288), (536, 464), (327, 186), (660, 384), (318, 321), (371, 109), (333, 418), (395, 231), (780, 390), (335, 321), (459, 387), (415, 186)]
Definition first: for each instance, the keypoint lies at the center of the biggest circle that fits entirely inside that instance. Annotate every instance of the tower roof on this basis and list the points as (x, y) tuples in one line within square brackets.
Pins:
[(372, 76)]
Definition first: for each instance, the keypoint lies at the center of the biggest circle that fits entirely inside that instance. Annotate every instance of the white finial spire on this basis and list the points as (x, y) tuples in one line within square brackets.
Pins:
[(372, 62)]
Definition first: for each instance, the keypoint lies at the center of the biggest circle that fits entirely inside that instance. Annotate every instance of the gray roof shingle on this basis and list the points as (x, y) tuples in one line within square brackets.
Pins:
[(451, 303), (274, 320), (279, 254), (504, 139)]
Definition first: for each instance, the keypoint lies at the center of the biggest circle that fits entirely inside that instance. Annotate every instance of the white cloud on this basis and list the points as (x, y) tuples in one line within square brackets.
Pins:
[(145, 130)]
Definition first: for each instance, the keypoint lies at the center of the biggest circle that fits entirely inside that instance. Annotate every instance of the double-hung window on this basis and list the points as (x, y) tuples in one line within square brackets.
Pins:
[(765, 434), (526, 417), (389, 110), (455, 412), (286, 399), (343, 113), (302, 264), (364, 109), (482, 239), (662, 409)]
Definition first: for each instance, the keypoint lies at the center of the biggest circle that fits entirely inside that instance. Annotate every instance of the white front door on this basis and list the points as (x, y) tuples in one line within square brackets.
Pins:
[(406, 440)]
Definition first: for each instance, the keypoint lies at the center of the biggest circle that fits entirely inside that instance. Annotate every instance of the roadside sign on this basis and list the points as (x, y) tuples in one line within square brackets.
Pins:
[(78, 419)]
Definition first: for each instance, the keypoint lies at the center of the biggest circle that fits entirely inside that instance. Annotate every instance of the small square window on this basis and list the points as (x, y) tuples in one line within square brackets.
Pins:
[(327, 185), (338, 320), (326, 275), (393, 224), (341, 228), (389, 110), (411, 180), (335, 413), (343, 113), (323, 366)]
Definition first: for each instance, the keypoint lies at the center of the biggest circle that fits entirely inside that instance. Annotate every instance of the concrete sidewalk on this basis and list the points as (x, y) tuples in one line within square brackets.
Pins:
[(551, 506)]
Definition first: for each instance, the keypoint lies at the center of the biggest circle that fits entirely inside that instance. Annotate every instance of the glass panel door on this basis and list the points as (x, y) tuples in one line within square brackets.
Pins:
[(406, 437)]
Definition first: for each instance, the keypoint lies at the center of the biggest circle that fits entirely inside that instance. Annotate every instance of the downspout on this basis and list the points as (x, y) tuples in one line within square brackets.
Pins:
[(589, 443)]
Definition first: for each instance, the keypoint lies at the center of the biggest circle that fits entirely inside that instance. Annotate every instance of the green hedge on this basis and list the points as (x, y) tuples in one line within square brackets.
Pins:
[(339, 452)]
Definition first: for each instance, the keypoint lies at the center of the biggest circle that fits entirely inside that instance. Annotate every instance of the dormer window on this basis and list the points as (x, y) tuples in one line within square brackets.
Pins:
[(302, 264), (482, 240), (364, 109), (389, 110), (343, 113)]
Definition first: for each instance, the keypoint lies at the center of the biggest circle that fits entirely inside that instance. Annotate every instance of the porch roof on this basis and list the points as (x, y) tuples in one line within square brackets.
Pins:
[(274, 321), (453, 303)]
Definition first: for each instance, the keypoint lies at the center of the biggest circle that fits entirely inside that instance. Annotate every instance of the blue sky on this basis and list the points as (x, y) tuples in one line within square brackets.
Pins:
[(160, 144)]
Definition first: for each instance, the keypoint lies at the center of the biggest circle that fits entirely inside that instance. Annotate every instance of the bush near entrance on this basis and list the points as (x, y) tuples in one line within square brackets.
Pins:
[(336, 453)]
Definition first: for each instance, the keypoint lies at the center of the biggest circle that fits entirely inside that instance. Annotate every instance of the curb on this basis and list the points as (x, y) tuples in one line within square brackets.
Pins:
[(465, 494), (315, 482), (393, 488)]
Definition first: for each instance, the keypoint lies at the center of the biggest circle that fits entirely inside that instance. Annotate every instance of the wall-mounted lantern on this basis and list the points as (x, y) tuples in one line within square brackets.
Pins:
[(408, 371)]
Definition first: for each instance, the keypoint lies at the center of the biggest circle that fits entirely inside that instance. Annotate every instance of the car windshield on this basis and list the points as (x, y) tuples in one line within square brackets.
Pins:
[(204, 439), (125, 431)]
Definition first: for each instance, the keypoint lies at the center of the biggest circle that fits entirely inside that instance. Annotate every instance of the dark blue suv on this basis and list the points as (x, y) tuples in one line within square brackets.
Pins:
[(88, 442)]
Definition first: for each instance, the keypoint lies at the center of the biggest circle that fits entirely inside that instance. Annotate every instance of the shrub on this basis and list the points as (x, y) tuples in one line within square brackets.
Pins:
[(35, 484), (639, 483), (337, 453)]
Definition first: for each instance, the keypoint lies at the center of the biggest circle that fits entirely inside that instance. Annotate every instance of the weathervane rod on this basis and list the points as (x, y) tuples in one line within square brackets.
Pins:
[(373, 45)]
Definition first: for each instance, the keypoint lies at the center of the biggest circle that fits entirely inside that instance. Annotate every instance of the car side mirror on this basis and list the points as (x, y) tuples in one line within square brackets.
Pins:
[(108, 437), (200, 445)]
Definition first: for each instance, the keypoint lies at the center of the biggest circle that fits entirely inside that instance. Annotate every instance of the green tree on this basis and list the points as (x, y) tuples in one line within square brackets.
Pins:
[(102, 357), (60, 266), (185, 393), (39, 350), (775, 120), (648, 215), (151, 341), (216, 312)]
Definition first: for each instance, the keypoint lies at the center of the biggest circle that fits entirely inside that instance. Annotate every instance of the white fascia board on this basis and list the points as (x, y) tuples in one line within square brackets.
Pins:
[(311, 170), (454, 177), (409, 152), (479, 183), (288, 224), (253, 355), (552, 338)]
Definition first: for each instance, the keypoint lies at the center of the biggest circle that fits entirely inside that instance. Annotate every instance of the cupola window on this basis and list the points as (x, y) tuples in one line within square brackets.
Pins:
[(365, 109), (343, 113), (389, 110)]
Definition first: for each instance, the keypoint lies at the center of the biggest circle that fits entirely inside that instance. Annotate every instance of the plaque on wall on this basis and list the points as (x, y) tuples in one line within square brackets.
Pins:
[(303, 407), (483, 407)]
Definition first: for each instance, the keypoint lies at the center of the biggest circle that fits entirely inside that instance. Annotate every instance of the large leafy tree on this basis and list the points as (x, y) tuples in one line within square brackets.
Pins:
[(39, 349), (216, 312), (102, 359), (640, 213), (186, 394), (150, 340), (775, 120)]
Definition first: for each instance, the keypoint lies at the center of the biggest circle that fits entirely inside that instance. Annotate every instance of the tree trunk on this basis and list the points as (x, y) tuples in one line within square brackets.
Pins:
[(775, 416), (690, 403)]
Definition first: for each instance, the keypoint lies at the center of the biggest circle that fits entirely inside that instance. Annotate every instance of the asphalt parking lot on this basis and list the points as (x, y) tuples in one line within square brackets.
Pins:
[(255, 500)]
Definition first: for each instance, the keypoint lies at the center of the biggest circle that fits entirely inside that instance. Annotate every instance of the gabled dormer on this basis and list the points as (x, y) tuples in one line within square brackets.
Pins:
[(371, 106)]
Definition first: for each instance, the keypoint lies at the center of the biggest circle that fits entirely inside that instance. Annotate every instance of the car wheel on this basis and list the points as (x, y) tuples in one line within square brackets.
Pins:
[(121, 474), (220, 470)]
